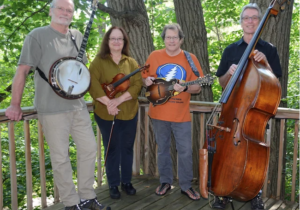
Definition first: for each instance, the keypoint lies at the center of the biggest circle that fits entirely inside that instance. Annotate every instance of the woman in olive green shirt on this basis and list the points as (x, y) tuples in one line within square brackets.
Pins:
[(112, 59)]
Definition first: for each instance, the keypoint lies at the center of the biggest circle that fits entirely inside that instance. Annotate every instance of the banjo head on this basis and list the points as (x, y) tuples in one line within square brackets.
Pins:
[(70, 78)]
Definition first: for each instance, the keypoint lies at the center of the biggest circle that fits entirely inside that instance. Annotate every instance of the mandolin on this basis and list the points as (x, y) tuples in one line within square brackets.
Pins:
[(161, 91)]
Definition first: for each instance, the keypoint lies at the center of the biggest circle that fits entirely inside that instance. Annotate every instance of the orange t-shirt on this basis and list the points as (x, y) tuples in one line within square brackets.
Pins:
[(166, 67)]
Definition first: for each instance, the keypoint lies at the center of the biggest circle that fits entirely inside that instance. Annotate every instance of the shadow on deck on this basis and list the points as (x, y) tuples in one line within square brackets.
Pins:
[(146, 199)]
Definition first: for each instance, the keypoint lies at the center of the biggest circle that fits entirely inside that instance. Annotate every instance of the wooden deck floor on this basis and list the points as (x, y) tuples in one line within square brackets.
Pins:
[(145, 199)]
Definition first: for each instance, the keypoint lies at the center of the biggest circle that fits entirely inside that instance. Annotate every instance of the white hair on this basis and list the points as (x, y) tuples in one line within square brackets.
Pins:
[(251, 6)]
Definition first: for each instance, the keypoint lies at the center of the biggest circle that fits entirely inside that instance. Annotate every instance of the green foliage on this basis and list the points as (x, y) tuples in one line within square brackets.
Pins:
[(160, 13), (18, 18)]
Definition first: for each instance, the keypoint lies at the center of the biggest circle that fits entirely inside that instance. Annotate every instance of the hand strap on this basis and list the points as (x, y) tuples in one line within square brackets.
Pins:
[(191, 62), (73, 39)]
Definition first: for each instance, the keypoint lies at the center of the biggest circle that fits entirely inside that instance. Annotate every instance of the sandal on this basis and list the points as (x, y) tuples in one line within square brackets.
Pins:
[(162, 189), (191, 194)]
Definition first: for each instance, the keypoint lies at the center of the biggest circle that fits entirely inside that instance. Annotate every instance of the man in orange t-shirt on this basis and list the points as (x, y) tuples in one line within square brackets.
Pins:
[(174, 115)]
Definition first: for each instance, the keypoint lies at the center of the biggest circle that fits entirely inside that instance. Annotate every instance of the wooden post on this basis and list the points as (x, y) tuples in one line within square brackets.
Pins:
[(13, 167), (146, 146), (42, 166), (295, 160), (137, 147), (1, 176), (28, 164), (99, 156), (280, 159)]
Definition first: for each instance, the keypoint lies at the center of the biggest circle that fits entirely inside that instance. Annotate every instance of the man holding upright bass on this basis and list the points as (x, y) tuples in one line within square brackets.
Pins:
[(264, 52), (59, 117)]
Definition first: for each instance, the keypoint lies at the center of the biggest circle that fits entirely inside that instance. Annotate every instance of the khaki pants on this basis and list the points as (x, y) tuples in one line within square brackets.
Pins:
[(57, 128)]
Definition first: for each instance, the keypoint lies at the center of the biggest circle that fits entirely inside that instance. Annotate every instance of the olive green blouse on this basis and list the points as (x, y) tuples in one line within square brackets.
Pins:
[(103, 71)]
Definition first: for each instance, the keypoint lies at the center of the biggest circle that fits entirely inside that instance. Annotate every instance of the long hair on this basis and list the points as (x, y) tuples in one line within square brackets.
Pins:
[(104, 49)]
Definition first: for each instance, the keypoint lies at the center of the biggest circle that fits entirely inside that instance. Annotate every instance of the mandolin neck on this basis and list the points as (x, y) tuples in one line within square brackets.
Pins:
[(184, 84)]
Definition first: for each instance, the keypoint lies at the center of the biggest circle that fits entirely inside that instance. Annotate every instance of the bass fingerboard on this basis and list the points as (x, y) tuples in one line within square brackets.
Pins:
[(86, 35)]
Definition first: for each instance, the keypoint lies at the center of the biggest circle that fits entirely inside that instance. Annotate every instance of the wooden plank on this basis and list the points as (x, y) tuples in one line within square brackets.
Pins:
[(13, 167), (28, 165), (202, 130), (295, 156), (99, 156), (280, 158), (144, 189), (42, 166), (145, 198), (1, 176), (146, 145), (268, 142), (275, 205), (288, 205), (137, 147)]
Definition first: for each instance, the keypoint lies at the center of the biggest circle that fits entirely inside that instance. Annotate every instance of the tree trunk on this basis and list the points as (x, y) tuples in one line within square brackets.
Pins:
[(132, 16), (277, 32), (189, 16)]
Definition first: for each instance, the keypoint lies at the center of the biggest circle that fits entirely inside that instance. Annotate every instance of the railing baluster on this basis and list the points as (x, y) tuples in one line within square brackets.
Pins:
[(28, 164), (42, 166), (99, 156), (1, 176), (137, 147), (268, 142), (146, 145), (280, 159), (295, 160), (13, 167), (202, 130)]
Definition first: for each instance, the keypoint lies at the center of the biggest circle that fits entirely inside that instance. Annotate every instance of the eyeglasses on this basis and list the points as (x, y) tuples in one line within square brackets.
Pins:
[(253, 18), (116, 39), (169, 38), (69, 11)]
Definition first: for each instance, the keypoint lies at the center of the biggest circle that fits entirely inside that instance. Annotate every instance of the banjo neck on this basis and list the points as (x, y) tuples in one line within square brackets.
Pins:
[(86, 34)]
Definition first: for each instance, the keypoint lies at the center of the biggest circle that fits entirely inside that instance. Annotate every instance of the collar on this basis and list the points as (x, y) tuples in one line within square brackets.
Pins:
[(241, 41)]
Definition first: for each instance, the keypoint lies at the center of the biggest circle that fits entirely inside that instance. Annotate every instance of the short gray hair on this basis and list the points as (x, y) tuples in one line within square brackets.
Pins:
[(251, 6), (53, 2), (172, 26)]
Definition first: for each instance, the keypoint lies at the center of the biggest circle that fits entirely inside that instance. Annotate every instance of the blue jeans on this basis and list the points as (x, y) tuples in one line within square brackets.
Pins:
[(120, 152), (182, 134)]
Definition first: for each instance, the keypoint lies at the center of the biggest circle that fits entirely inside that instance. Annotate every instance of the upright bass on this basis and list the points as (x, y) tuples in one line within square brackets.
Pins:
[(237, 151)]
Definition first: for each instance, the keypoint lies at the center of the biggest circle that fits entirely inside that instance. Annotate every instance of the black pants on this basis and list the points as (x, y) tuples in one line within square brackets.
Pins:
[(120, 152)]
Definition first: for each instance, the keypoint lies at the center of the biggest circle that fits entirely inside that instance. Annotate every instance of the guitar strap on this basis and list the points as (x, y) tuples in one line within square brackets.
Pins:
[(41, 73), (191, 62)]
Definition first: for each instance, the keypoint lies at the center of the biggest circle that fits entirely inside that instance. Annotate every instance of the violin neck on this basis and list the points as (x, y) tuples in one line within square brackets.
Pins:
[(244, 60)]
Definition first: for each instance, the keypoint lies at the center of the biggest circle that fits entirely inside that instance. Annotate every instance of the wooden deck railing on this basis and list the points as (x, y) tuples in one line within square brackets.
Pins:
[(144, 151)]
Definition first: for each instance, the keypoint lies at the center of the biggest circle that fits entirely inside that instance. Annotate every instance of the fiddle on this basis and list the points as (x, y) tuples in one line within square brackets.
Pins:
[(120, 82)]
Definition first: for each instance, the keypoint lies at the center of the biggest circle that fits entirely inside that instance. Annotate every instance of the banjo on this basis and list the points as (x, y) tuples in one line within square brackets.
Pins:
[(68, 76)]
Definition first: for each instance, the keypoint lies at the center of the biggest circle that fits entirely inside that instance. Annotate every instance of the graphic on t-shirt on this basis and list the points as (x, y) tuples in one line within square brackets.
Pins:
[(171, 71)]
